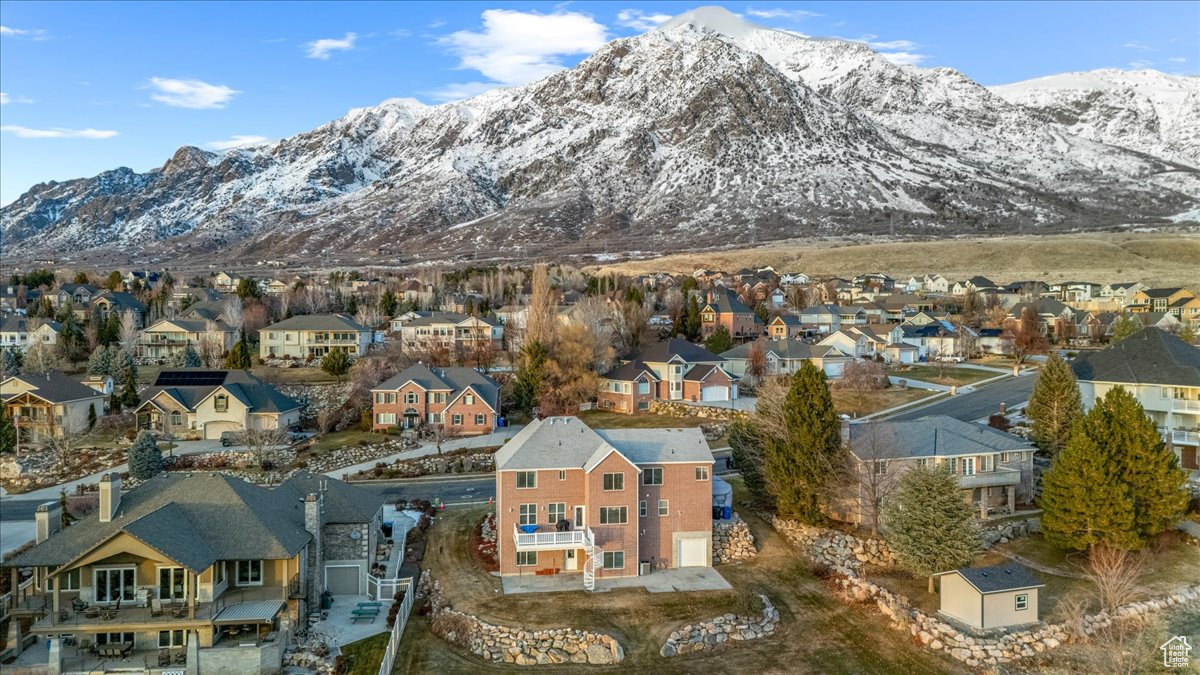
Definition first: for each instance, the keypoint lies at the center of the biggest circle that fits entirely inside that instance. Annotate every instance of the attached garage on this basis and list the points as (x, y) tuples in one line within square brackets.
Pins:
[(693, 552), (833, 368), (213, 430), (717, 393), (343, 579)]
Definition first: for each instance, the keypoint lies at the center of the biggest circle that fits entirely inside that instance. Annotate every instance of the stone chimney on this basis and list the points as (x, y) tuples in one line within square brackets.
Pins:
[(110, 496), (314, 516), (47, 520)]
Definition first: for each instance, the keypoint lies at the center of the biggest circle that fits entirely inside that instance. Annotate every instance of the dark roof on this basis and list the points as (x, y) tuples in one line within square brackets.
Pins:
[(57, 388), (698, 373), (1042, 306), (194, 519), (629, 371), (431, 318), (344, 503), (1149, 356), (1161, 292), (788, 349), (455, 379), (1007, 577), (726, 302), (204, 309), (933, 436), (189, 386), (787, 319), (20, 324), (126, 301), (662, 352), (318, 322)]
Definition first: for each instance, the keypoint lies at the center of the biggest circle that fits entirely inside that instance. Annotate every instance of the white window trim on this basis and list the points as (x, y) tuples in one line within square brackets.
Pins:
[(528, 555), (237, 573), (1019, 600), (664, 507), (605, 559), (528, 485), (604, 481)]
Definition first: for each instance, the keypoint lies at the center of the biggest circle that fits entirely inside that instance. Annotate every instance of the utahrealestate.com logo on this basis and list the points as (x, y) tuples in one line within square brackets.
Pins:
[(1175, 652)]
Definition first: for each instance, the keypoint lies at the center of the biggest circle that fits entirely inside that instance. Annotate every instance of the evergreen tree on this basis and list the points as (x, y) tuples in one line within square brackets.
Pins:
[(81, 277), (121, 364), (352, 305), (10, 361), (8, 433), (927, 523), (114, 282), (720, 341), (1115, 482), (129, 395), (100, 362), (761, 311), (187, 358), (801, 463), (689, 284), (387, 304), (145, 459), (248, 288), (336, 363), (238, 357), (691, 324), (1124, 327), (1054, 405), (91, 417), (1187, 333), (528, 384), (112, 328), (746, 446)]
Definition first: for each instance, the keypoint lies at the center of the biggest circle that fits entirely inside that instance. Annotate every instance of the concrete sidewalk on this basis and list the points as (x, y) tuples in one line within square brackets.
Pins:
[(470, 443)]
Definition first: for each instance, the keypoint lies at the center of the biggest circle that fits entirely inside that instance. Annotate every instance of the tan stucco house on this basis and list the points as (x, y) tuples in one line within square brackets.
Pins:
[(49, 405), (201, 403)]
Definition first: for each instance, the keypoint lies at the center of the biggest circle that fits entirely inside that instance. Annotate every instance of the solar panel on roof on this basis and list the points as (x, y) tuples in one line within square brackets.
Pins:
[(190, 378)]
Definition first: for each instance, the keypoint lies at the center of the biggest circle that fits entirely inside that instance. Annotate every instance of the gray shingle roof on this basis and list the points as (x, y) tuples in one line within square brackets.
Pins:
[(20, 324), (198, 325), (629, 371), (259, 396), (568, 443), (1149, 356), (663, 351), (57, 388), (726, 301), (318, 322), (932, 436), (455, 379), (1007, 577), (447, 317), (787, 349), (344, 503)]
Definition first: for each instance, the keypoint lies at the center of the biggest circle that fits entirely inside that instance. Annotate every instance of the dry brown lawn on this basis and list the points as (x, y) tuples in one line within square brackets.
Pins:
[(857, 404), (948, 375), (817, 634), (1155, 259)]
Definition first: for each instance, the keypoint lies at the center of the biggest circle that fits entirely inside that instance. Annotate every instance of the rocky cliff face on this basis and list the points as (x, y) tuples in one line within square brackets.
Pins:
[(708, 131)]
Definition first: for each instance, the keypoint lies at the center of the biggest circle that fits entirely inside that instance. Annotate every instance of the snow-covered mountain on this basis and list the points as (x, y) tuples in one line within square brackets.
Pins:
[(709, 130), (1143, 110)]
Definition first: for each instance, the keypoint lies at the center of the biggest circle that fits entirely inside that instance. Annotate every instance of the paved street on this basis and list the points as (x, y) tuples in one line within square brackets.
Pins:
[(977, 404)]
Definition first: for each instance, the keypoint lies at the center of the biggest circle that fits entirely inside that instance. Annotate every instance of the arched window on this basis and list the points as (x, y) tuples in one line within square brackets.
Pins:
[(221, 404), (176, 418)]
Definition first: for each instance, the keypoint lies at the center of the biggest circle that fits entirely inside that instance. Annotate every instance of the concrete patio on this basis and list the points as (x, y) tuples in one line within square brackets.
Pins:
[(660, 581), (339, 629)]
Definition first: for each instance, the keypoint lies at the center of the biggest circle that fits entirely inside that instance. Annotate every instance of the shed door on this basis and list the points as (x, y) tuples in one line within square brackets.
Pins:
[(343, 580), (714, 394), (692, 553)]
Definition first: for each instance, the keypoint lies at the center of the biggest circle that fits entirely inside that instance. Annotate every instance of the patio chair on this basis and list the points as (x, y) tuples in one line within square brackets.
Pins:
[(179, 612), (156, 607), (164, 657), (181, 657), (78, 605)]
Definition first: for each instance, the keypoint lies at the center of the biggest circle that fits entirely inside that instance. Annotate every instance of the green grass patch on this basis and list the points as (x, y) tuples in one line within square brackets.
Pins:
[(365, 656), (341, 439), (948, 375)]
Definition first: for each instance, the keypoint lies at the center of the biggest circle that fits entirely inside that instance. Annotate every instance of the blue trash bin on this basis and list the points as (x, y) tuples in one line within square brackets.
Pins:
[(726, 512)]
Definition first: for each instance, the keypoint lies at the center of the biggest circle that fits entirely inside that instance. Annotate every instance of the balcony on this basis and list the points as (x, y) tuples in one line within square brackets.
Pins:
[(1180, 436), (990, 479), (549, 539), (1184, 405)]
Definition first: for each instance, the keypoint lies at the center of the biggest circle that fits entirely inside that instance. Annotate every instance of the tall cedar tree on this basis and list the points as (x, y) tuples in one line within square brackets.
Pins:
[(927, 523), (1054, 405), (145, 459), (129, 395), (720, 341), (1115, 483), (238, 357), (8, 433), (336, 363), (527, 387), (92, 416), (691, 321), (800, 465), (1124, 327), (746, 446)]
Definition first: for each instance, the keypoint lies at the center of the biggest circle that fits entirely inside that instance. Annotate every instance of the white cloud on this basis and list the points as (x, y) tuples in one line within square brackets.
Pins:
[(904, 58), (518, 47), (28, 33), (56, 132), (1177, 59), (1140, 64), (1140, 46), (639, 20), (3, 98), (457, 91), (191, 93), (322, 49), (237, 141), (780, 13)]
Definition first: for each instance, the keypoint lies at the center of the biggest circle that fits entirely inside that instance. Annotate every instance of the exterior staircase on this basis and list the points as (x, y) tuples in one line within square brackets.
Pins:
[(594, 562)]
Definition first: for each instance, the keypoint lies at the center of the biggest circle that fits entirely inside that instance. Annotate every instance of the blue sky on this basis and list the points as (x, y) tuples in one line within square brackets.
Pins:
[(92, 86)]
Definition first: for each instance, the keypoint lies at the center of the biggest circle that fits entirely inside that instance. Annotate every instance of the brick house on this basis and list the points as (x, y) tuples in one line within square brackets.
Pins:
[(599, 502), (724, 309), (461, 400), (671, 370)]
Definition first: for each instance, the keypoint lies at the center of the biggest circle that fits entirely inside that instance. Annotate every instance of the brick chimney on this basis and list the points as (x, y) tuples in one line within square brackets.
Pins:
[(47, 520), (314, 516), (110, 496)]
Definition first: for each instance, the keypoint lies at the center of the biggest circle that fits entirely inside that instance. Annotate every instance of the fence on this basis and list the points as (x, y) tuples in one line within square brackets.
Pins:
[(393, 645), (10, 600)]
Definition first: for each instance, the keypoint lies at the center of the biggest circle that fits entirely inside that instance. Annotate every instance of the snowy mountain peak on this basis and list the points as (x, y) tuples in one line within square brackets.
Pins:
[(712, 19)]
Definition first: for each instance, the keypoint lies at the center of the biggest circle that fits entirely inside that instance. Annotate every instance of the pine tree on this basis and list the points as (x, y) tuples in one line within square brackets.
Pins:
[(8, 433), (145, 459), (801, 463), (187, 358), (1124, 327), (1054, 405), (927, 523), (100, 362), (1187, 333), (92, 416), (528, 383), (746, 446), (720, 341), (387, 304), (1149, 468), (691, 323), (10, 361), (336, 363), (129, 395), (238, 357)]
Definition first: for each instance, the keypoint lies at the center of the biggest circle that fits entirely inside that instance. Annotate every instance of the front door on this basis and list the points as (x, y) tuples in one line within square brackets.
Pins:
[(579, 511), (571, 563)]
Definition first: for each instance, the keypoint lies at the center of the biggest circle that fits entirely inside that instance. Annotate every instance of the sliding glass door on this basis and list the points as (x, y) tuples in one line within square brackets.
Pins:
[(115, 584)]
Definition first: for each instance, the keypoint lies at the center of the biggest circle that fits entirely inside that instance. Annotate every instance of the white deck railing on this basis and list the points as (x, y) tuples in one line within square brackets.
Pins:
[(551, 539), (1180, 436), (393, 645), (1185, 405)]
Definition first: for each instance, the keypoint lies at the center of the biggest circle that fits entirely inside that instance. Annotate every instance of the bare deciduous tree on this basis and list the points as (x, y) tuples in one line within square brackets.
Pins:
[(43, 358), (873, 476), (233, 312), (64, 438), (632, 326), (756, 361), (862, 376), (129, 332), (262, 443), (540, 322), (211, 350), (1115, 573)]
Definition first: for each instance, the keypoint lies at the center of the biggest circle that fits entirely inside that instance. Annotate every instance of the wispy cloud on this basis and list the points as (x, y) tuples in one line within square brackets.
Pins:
[(780, 13), (27, 33), (903, 52), (194, 94), (237, 141), (400, 33), (5, 99), (514, 47), (325, 47), (1139, 64), (639, 20), (905, 58), (1140, 46), (1177, 59), (56, 132)]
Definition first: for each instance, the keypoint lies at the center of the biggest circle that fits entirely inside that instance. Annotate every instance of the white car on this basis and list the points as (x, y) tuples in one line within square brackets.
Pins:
[(950, 359)]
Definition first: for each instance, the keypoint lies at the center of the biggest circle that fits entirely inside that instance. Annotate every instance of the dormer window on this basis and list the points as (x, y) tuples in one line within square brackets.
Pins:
[(221, 403)]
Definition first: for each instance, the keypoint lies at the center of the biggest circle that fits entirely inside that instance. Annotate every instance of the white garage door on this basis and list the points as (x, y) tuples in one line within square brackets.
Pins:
[(213, 430), (342, 580), (834, 369), (714, 394), (692, 553)]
